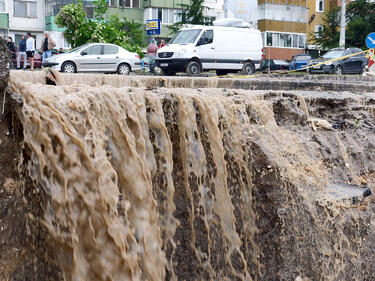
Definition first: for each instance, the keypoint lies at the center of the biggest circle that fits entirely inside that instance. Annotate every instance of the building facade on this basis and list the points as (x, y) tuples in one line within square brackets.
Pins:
[(283, 24), (317, 8)]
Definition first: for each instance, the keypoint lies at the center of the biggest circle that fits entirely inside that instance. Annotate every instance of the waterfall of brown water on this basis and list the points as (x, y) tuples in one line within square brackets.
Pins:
[(181, 184)]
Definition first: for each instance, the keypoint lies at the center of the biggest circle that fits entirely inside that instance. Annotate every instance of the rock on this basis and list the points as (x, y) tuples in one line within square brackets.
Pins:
[(320, 123)]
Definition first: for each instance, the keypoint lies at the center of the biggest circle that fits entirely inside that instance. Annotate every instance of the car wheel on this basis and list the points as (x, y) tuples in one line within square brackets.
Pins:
[(248, 69), (193, 68), (68, 67), (123, 69), (221, 72), (338, 70)]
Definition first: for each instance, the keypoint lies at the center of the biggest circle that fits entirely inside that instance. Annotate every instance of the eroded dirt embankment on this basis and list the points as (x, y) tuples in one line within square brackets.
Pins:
[(136, 183)]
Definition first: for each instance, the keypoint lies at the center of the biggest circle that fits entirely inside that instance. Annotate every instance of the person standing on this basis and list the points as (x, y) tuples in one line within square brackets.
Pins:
[(12, 48), (22, 53), (47, 45), (30, 49), (151, 53)]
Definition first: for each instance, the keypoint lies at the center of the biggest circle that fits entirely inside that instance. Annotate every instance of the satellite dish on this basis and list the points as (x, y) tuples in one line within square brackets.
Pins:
[(233, 22)]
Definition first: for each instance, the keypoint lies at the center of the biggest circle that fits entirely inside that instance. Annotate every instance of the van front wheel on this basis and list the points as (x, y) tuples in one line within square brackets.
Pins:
[(193, 68), (248, 68)]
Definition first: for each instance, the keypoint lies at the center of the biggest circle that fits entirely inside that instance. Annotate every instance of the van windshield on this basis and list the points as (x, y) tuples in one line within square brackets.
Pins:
[(185, 36)]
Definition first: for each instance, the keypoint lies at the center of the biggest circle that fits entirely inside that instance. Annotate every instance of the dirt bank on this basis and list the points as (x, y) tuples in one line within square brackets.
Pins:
[(235, 184)]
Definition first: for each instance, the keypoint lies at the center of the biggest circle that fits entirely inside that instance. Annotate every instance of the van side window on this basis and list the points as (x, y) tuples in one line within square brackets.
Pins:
[(206, 38)]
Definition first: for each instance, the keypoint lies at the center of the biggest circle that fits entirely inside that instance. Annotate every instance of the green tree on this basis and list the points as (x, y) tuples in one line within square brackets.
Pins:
[(80, 30), (192, 13), (134, 31), (328, 36), (360, 18)]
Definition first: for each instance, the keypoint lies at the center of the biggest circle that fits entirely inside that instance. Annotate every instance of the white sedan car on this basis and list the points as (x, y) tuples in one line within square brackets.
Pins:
[(95, 57)]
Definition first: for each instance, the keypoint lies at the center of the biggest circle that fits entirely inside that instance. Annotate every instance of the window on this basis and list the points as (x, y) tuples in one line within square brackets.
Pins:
[(168, 16), (318, 30), (94, 50), (178, 15), (285, 40), (301, 41), (295, 41), (206, 38), (185, 36), (160, 15), (275, 39), (129, 3), (112, 3), (89, 12), (269, 39), (110, 50), (319, 5), (2, 6), (25, 9)]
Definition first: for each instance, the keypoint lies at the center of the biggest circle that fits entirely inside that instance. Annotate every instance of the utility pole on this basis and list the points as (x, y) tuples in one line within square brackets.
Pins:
[(342, 24)]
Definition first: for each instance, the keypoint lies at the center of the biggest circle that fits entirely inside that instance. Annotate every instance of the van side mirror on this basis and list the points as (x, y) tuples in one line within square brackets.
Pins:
[(83, 53)]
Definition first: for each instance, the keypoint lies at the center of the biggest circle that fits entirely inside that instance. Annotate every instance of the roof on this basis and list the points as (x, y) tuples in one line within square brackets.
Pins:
[(185, 27)]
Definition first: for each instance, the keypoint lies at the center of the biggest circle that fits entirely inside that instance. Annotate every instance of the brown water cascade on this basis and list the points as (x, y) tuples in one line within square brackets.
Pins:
[(142, 182)]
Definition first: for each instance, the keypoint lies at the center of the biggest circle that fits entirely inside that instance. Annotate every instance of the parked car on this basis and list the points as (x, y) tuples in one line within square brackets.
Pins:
[(225, 49), (274, 65), (37, 59), (96, 57), (299, 61), (352, 65)]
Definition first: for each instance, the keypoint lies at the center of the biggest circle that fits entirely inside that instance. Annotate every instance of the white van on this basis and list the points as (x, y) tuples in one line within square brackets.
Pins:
[(225, 49)]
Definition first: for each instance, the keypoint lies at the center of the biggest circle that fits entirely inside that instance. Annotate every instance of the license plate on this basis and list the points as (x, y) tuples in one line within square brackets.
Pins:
[(164, 64)]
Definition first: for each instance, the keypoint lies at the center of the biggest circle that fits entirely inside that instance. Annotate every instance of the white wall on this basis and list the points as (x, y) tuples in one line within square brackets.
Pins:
[(23, 23), (58, 37)]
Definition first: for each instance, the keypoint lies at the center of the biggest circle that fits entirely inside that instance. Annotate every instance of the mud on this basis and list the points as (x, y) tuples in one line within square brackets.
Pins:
[(128, 180)]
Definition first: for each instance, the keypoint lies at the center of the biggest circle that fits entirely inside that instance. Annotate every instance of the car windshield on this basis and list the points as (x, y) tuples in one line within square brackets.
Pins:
[(77, 48), (185, 36), (334, 54), (299, 58)]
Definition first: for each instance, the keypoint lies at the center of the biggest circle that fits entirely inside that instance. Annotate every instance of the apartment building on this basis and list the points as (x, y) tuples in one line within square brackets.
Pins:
[(284, 25), (20, 16), (317, 8)]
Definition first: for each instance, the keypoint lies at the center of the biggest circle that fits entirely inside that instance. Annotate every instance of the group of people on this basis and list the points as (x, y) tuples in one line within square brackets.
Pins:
[(26, 49)]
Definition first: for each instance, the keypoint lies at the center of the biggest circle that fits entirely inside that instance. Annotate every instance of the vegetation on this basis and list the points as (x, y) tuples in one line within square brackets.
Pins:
[(192, 13), (360, 17), (361, 21), (329, 36), (80, 30)]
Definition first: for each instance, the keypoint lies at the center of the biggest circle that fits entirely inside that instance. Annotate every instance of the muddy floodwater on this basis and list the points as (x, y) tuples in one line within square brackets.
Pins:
[(115, 178)]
